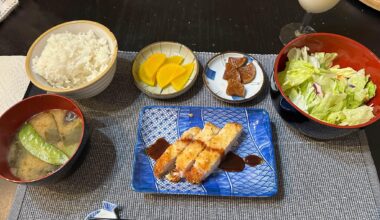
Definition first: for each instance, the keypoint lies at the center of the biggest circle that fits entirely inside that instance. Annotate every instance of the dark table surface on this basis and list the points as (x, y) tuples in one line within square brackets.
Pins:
[(204, 25)]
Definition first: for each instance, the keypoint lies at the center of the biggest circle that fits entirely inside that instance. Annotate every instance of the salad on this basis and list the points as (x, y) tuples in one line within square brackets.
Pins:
[(330, 93)]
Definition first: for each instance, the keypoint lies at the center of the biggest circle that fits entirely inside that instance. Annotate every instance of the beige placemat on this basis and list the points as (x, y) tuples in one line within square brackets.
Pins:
[(13, 81)]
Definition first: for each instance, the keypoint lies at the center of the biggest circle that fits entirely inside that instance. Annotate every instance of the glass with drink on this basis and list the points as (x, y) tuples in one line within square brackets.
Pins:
[(293, 30)]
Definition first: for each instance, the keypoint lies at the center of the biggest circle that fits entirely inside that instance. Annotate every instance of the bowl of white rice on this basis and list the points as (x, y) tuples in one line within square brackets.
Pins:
[(75, 59)]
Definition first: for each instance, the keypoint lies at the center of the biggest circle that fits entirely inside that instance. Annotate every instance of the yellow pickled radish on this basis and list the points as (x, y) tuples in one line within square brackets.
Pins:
[(179, 82), (167, 73), (144, 78), (152, 64), (174, 59)]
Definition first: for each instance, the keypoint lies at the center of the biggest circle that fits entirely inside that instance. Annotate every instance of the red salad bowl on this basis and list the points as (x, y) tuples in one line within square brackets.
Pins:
[(350, 54), (14, 117)]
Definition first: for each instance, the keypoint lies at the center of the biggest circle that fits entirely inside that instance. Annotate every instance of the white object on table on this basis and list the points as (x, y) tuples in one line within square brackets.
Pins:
[(108, 211), (6, 6), (13, 81)]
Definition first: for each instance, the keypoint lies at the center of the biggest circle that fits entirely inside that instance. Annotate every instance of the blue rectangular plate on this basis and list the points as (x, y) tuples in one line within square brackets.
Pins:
[(171, 122)]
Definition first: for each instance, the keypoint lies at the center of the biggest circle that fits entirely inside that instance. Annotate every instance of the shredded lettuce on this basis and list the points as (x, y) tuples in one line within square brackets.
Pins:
[(330, 93)]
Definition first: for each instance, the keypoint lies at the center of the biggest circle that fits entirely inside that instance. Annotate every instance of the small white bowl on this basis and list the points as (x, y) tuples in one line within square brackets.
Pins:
[(169, 49), (89, 89), (213, 78)]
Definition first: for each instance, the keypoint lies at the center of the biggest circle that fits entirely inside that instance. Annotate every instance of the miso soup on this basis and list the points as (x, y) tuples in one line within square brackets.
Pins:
[(44, 143)]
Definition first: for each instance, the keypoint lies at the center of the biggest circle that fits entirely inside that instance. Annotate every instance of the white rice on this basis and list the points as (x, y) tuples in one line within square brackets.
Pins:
[(70, 60)]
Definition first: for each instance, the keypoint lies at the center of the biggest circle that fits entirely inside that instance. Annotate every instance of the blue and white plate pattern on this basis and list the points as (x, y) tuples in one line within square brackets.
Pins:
[(106, 212), (170, 122), (213, 78)]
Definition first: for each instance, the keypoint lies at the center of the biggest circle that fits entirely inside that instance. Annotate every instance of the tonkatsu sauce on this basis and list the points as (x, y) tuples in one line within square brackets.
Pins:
[(234, 163), (253, 160), (157, 149)]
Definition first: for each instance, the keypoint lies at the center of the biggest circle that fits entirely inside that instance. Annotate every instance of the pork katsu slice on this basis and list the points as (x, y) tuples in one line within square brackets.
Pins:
[(247, 73), (237, 61), (167, 160), (217, 147), (235, 88), (231, 73), (186, 159)]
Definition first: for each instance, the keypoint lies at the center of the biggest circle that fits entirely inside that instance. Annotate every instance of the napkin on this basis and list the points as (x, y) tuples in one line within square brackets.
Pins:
[(6, 6), (13, 80)]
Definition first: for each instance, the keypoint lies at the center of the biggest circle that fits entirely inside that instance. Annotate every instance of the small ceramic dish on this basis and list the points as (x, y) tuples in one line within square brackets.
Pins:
[(213, 78), (88, 89), (108, 211), (169, 49)]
